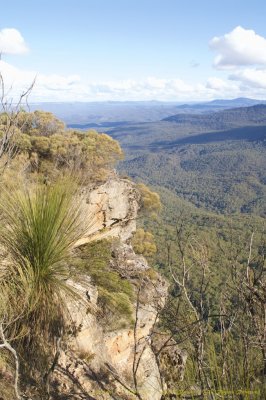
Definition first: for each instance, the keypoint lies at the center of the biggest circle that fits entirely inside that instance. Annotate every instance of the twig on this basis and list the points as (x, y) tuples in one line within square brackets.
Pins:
[(6, 345)]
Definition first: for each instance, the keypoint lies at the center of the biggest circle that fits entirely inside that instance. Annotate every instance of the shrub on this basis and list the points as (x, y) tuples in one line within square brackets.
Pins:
[(115, 294), (150, 201), (143, 243), (38, 232)]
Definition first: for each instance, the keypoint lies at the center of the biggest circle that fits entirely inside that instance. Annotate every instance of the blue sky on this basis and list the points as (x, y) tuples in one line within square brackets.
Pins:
[(135, 49)]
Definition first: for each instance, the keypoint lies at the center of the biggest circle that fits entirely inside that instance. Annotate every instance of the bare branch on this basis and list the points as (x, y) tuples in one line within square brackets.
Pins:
[(6, 345)]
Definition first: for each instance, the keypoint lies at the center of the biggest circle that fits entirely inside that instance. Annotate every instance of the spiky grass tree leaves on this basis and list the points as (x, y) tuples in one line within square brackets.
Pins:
[(39, 230)]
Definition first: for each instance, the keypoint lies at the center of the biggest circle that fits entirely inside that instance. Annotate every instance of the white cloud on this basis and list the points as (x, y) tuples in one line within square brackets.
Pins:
[(240, 47), (12, 42), (46, 86), (215, 83), (72, 88), (251, 78), (235, 49), (69, 88)]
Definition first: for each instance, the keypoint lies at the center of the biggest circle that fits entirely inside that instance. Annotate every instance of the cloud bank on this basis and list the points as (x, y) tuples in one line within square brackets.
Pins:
[(12, 42), (55, 87), (250, 78), (241, 50), (72, 88)]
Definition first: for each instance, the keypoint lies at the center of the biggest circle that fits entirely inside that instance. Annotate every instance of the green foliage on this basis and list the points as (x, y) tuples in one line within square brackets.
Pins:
[(39, 229), (150, 201), (199, 175), (115, 293), (209, 171), (224, 177), (215, 161), (51, 148), (39, 123), (229, 310), (143, 243)]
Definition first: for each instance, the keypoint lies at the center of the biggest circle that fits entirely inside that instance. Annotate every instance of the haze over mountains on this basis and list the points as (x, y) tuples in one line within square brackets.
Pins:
[(101, 113), (133, 201), (215, 161), (211, 155), (243, 122)]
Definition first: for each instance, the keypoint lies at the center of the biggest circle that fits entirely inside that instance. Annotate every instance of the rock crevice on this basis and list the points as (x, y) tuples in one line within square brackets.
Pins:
[(107, 364)]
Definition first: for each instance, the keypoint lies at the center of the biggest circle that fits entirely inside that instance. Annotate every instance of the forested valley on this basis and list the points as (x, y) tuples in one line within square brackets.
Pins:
[(200, 183), (133, 200), (210, 239)]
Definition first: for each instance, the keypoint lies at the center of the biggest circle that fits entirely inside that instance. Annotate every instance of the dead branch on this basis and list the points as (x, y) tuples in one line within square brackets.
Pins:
[(6, 345)]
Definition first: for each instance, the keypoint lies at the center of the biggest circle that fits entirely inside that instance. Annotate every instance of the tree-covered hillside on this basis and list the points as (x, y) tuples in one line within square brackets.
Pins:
[(207, 240), (214, 161)]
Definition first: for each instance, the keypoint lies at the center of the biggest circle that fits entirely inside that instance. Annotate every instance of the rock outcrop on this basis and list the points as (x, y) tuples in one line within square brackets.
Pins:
[(118, 364), (110, 210)]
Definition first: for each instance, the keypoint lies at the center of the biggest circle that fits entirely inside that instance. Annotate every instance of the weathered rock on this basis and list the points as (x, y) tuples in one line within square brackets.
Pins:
[(96, 361), (111, 210), (171, 360)]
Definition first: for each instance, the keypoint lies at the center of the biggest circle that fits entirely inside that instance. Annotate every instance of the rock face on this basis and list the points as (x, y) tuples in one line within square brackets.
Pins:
[(111, 210), (103, 364)]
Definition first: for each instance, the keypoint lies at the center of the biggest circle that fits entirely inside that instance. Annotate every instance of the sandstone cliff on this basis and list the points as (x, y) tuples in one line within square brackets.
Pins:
[(99, 363)]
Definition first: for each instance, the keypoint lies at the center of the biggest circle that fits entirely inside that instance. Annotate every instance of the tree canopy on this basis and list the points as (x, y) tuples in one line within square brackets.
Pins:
[(49, 146)]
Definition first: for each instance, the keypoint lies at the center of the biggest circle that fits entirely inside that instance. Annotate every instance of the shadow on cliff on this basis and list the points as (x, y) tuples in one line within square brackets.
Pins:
[(79, 393)]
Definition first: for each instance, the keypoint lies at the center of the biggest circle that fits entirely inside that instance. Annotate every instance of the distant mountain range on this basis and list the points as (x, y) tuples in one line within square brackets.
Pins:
[(217, 105), (247, 123), (240, 116), (215, 160), (211, 154), (94, 114), (97, 114)]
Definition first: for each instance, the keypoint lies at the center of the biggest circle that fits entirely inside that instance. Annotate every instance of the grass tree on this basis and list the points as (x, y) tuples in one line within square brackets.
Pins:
[(38, 232)]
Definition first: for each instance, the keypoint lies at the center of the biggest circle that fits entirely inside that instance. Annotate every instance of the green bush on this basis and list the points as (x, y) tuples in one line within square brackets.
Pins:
[(51, 148), (143, 243), (38, 232), (115, 294)]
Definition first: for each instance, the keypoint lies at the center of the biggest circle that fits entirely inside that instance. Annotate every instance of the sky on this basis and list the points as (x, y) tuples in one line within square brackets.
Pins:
[(120, 50)]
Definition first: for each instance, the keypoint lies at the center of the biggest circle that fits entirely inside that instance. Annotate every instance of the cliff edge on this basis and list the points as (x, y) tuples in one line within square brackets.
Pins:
[(102, 361)]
